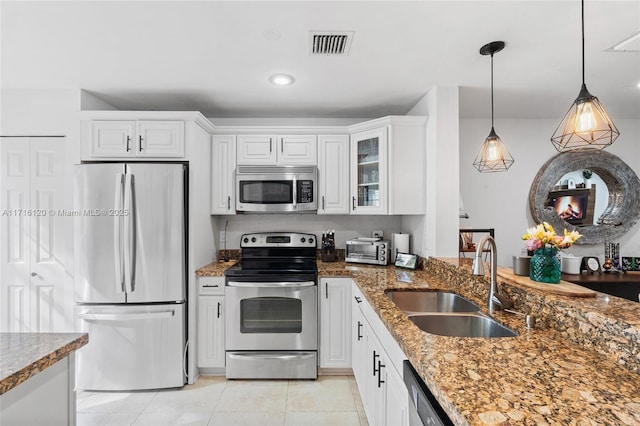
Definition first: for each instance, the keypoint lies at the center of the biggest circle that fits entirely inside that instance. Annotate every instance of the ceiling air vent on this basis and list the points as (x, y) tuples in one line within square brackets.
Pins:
[(330, 42)]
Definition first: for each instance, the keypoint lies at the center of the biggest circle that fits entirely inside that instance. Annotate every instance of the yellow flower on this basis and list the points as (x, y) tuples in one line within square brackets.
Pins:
[(543, 234)]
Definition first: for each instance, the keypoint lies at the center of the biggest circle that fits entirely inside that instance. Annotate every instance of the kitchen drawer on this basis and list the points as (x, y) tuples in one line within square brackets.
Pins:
[(211, 285)]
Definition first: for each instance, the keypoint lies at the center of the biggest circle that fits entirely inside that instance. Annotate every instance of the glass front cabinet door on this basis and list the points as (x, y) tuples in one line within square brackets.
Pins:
[(369, 172)]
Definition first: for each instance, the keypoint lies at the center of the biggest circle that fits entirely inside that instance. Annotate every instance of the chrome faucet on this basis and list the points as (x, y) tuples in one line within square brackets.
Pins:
[(494, 300)]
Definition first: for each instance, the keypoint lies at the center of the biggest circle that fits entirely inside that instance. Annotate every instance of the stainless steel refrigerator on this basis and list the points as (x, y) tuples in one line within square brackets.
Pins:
[(130, 285)]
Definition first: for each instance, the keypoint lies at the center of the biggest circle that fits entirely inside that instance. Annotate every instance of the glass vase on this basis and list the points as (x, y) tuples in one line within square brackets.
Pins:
[(545, 265)]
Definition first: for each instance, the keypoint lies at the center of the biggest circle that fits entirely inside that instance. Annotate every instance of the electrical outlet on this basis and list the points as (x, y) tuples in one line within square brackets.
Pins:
[(222, 237), (377, 234)]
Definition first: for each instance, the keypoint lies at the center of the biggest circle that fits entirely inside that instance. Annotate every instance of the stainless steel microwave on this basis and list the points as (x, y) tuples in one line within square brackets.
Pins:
[(367, 250), (276, 189)]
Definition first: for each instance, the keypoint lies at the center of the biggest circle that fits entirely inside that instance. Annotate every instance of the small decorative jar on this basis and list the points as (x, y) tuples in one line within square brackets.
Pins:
[(545, 265)]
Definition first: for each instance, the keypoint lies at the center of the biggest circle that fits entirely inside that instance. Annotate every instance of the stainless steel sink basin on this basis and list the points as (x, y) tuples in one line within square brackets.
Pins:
[(461, 325), (430, 301)]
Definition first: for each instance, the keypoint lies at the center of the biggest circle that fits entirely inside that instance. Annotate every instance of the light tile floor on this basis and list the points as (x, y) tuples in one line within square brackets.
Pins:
[(215, 401)]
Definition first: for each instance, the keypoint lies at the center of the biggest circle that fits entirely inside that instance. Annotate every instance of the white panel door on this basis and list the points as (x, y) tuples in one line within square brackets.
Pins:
[(160, 139), (335, 322), (297, 149), (223, 164), (211, 331), (256, 149), (15, 252), (36, 217), (113, 138), (333, 174)]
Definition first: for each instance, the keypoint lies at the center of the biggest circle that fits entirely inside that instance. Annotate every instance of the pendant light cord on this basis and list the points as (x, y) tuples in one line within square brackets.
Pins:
[(492, 91), (582, 17)]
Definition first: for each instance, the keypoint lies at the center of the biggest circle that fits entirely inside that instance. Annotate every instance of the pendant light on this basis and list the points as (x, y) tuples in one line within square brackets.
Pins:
[(586, 124), (493, 156)]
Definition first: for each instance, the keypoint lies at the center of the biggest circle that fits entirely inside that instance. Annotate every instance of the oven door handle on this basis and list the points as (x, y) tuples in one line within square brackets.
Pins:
[(281, 284)]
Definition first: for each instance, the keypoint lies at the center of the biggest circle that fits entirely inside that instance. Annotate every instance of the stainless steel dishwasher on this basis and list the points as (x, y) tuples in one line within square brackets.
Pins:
[(423, 407)]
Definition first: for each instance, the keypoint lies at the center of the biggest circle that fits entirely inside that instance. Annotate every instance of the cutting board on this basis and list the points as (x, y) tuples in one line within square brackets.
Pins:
[(564, 288)]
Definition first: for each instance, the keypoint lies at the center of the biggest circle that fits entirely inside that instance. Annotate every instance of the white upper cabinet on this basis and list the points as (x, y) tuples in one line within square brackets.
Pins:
[(369, 172), (274, 149), (160, 139), (298, 149), (388, 172), (132, 138), (333, 174), (223, 163)]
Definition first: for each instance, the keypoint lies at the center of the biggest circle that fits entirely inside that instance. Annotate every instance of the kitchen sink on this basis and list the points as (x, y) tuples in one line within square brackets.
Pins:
[(461, 325), (430, 301)]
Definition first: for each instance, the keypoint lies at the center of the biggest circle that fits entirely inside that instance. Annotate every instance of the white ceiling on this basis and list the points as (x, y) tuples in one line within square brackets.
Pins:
[(216, 57)]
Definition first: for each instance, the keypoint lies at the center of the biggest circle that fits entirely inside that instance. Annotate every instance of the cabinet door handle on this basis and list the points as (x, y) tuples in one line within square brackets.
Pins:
[(128, 143), (380, 367), (326, 290), (353, 203), (228, 202), (219, 313), (140, 143), (359, 328), (323, 202), (270, 142), (375, 356), (357, 299), (282, 145)]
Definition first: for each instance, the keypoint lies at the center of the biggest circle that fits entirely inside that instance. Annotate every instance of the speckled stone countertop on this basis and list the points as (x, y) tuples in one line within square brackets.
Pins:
[(579, 366), (23, 355)]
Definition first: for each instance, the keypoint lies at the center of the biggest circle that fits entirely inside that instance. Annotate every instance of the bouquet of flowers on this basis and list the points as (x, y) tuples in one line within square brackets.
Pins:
[(544, 235)]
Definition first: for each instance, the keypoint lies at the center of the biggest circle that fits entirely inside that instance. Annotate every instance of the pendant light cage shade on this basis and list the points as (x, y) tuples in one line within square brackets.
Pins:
[(585, 126), (493, 155)]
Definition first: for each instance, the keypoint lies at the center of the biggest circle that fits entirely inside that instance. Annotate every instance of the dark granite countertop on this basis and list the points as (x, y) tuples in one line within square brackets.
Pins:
[(23, 355)]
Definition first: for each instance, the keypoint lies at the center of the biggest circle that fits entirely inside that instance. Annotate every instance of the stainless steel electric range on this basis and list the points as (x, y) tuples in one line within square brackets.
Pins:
[(271, 320)]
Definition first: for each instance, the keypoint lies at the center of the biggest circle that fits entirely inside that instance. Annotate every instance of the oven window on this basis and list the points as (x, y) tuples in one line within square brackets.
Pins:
[(271, 315), (362, 251), (266, 192)]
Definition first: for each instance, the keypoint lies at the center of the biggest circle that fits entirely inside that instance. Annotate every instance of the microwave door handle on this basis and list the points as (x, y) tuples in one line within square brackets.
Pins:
[(295, 191)]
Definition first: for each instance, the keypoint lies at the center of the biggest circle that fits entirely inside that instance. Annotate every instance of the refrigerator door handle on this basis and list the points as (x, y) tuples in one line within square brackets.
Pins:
[(129, 235), (127, 317), (117, 235)]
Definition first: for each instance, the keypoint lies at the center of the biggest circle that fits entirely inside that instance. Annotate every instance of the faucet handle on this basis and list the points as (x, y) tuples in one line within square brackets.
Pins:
[(502, 302)]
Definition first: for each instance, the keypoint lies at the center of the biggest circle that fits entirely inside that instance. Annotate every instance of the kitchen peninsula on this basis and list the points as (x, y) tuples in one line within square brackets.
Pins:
[(579, 365), (37, 377)]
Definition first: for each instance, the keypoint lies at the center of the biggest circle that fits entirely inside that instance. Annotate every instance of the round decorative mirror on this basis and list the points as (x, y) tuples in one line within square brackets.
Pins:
[(568, 203)]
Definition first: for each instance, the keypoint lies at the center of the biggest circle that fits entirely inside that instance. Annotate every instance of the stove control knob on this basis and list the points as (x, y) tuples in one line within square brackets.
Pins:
[(302, 240), (253, 239), (246, 240), (310, 240)]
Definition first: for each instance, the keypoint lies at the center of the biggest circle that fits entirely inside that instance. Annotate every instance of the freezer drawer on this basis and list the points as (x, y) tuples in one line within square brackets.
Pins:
[(131, 347)]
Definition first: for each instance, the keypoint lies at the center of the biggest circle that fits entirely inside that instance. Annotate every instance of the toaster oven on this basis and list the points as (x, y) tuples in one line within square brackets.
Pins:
[(367, 250)]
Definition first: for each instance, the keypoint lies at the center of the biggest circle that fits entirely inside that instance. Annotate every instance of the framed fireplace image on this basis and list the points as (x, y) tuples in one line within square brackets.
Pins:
[(574, 206)]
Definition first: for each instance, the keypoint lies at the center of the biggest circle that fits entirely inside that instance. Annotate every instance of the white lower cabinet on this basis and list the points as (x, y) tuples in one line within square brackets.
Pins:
[(377, 366), (211, 322), (335, 320)]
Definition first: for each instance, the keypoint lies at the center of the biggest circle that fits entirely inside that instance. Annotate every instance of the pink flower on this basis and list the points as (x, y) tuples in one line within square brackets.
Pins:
[(533, 244)]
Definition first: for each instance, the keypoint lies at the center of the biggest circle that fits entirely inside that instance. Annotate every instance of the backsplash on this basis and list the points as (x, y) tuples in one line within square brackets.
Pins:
[(606, 324)]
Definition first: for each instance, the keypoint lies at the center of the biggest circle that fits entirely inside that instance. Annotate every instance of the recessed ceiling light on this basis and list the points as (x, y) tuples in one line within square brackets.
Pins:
[(281, 79)]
